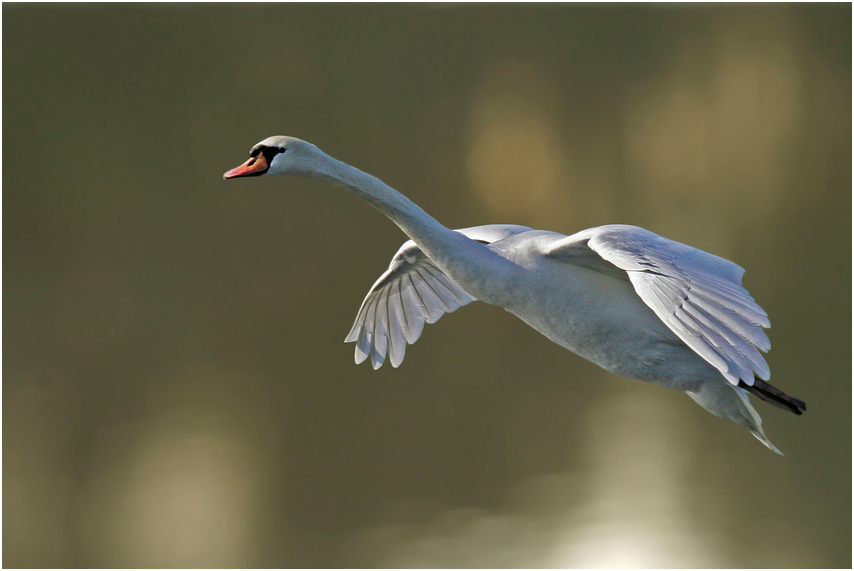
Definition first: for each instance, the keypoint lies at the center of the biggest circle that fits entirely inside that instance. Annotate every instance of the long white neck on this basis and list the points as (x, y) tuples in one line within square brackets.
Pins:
[(476, 268)]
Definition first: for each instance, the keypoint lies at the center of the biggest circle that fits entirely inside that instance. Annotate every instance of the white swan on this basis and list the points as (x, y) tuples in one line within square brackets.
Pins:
[(634, 303)]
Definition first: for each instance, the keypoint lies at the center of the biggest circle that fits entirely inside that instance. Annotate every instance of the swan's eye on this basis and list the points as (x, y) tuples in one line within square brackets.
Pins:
[(270, 153)]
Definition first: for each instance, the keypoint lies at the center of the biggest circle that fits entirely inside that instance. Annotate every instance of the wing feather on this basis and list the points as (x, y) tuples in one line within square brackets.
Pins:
[(396, 324), (732, 320), (411, 301), (363, 346), (432, 301), (378, 350), (444, 288), (696, 294), (411, 292)]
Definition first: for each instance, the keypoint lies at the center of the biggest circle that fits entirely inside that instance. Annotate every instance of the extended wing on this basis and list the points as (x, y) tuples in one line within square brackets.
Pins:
[(411, 292), (696, 294)]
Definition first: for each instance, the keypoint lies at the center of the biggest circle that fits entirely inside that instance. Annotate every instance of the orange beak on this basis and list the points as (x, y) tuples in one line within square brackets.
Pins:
[(255, 166)]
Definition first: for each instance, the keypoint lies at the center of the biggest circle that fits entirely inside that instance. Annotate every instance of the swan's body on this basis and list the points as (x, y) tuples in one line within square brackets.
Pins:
[(632, 302)]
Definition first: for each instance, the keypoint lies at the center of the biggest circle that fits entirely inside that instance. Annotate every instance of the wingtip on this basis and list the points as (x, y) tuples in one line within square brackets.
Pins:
[(353, 335)]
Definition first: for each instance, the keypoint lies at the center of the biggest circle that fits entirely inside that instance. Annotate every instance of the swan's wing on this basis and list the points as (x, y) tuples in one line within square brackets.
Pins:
[(411, 292), (696, 294)]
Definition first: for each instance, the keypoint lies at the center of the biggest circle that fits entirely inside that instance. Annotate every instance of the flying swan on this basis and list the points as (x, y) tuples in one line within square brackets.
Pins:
[(634, 303)]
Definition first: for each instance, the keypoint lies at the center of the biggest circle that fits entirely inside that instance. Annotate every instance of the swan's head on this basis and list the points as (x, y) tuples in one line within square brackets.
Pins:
[(279, 155)]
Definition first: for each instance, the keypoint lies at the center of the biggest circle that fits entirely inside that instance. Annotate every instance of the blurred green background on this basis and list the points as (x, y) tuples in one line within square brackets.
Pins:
[(176, 391)]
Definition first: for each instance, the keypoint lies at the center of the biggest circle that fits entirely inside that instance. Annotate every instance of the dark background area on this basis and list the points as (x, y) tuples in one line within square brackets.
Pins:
[(175, 387)]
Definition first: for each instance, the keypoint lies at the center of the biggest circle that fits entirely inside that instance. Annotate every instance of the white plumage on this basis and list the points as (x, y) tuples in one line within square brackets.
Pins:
[(411, 292), (633, 302), (696, 294)]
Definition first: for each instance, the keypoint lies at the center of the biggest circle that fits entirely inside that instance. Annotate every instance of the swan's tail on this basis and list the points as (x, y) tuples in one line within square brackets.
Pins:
[(726, 401), (755, 426)]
